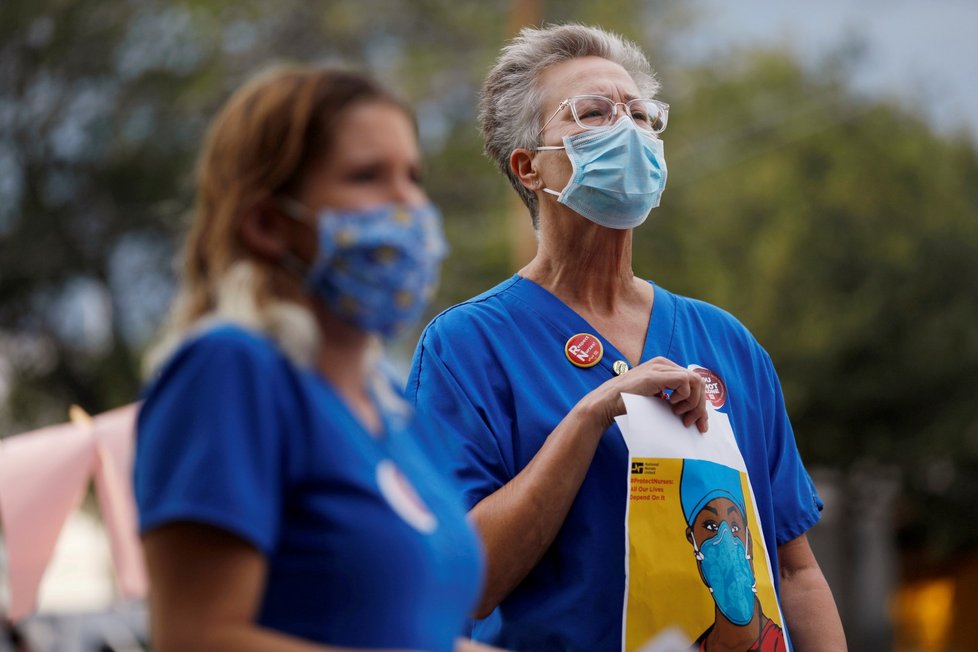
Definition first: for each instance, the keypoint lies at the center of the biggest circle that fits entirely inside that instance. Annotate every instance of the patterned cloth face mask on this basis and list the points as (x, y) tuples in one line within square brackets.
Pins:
[(618, 177), (376, 268)]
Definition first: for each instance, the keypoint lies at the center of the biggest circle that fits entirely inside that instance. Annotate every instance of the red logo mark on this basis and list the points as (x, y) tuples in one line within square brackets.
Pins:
[(584, 350), (716, 391)]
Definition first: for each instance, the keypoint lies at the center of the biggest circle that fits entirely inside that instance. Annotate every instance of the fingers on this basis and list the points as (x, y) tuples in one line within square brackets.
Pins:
[(661, 377), (689, 401), (685, 390)]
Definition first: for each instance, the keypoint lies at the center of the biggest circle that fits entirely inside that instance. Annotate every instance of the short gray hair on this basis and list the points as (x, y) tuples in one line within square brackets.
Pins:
[(509, 104)]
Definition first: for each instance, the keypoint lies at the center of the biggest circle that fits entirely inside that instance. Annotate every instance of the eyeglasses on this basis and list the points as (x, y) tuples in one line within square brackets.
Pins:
[(595, 111)]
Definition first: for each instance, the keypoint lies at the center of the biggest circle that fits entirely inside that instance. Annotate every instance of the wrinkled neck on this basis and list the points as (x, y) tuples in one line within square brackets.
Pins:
[(582, 263)]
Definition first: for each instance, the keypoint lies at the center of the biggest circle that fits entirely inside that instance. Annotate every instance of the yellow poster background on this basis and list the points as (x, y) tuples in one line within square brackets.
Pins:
[(665, 589)]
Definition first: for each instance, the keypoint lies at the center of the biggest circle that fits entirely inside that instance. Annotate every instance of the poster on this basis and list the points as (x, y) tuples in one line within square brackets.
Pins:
[(696, 560)]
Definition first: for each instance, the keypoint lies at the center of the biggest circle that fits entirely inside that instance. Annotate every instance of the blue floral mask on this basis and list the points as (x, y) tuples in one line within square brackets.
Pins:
[(378, 268)]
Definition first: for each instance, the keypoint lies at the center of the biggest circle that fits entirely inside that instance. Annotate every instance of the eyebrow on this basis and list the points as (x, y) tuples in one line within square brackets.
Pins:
[(712, 509), (627, 97)]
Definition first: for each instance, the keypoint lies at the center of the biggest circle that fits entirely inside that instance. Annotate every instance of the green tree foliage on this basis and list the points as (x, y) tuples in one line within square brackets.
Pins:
[(844, 233), (103, 104), (87, 179)]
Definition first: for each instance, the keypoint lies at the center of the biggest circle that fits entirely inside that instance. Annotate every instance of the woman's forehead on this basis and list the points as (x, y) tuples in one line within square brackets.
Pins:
[(371, 128), (587, 76), (720, 508)]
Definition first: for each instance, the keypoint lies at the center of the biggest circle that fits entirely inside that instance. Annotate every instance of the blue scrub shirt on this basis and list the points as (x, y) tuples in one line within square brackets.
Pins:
[(367, 544), (492, 379)]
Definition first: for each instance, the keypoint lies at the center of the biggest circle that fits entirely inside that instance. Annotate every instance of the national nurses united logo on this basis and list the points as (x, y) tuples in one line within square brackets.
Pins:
[(716, 391), (403, 499)]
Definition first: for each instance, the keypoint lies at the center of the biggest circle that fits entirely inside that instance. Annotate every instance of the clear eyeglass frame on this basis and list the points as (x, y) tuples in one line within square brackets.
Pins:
[(597, 112)]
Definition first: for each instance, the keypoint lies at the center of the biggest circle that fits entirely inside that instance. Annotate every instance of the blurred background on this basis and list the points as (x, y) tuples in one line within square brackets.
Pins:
[(823, 187)]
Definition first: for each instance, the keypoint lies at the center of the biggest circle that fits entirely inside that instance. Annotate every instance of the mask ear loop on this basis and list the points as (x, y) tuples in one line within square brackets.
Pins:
[(750, 542), (551, 148), (699, 556), (696, 549), (289, 261), (292, 208)]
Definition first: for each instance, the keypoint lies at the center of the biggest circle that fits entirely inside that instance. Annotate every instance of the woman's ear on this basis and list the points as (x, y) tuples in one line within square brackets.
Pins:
[(521, 163), (264, 230)]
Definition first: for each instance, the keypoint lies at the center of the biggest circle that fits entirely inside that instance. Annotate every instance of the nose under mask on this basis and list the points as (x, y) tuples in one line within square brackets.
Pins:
[(619, 173)]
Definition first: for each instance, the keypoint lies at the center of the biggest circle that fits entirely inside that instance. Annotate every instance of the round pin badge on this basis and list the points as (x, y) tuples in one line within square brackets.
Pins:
[(403, 499), (716, 390), (584, 350), (619, 367)]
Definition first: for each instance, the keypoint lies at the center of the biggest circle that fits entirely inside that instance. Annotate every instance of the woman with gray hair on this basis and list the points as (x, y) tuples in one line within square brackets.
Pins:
[(525, 380)]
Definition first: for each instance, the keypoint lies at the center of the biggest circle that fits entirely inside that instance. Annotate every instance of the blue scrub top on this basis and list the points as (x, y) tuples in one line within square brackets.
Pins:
[(367, 544), (492, 378)]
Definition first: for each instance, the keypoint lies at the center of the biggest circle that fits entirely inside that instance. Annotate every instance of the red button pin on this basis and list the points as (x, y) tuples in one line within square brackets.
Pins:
[(716, 390), (584, 350)]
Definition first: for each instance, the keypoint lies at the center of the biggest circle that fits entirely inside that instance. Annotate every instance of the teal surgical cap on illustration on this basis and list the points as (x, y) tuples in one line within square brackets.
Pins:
[(704, 481)]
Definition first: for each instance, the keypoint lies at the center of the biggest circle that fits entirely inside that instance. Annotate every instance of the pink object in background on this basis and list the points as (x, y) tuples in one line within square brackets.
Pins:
[(43, 477)]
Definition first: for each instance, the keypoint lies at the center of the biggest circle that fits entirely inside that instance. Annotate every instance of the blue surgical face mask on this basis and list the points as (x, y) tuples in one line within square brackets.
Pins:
[(728, 573), (377, 268), (619, 173)]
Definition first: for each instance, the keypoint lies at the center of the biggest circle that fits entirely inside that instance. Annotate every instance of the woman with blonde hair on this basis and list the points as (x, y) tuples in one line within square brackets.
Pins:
[(284, 501)]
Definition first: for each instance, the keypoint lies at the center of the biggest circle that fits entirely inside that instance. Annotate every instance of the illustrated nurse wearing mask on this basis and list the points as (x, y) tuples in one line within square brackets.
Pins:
[(524, 380), (723, 547)]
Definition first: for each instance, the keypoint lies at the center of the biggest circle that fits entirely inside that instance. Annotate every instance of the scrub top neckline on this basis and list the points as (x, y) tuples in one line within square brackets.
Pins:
[(381, 435), (566, 321), (319, 379)]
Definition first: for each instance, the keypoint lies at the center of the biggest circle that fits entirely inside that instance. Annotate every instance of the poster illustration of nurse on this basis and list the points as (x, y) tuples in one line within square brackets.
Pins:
[(717, 529), (696, 559)]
